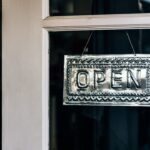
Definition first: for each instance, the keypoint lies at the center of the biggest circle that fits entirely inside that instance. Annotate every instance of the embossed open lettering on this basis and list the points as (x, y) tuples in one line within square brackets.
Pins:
[(106, 80)]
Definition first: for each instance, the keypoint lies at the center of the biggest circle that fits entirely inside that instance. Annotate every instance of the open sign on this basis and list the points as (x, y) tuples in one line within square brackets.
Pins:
[(107, 80)]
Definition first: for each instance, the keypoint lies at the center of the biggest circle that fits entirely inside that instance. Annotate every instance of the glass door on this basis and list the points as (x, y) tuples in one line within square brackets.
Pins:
[(95, 127)]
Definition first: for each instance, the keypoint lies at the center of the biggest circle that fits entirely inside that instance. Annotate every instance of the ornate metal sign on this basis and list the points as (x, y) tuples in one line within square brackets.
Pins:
[(107, 80)]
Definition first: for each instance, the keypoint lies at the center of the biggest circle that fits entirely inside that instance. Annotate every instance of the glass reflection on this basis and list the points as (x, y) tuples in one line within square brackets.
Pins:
[(87, 7), (95, 128)]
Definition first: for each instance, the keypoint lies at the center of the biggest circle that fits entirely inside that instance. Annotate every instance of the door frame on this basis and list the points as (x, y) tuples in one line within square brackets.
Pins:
[(45, 80), (78, 23)]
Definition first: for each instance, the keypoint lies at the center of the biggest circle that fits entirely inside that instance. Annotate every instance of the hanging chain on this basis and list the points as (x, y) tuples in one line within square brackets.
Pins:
[(85, 47), (131, 43)]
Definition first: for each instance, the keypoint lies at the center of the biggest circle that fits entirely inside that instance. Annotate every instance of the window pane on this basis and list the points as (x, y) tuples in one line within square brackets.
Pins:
[(88, 7), (95, 128)]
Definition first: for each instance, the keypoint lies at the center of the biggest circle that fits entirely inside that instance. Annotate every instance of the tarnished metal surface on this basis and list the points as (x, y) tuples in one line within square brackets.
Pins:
[(119, 80)]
